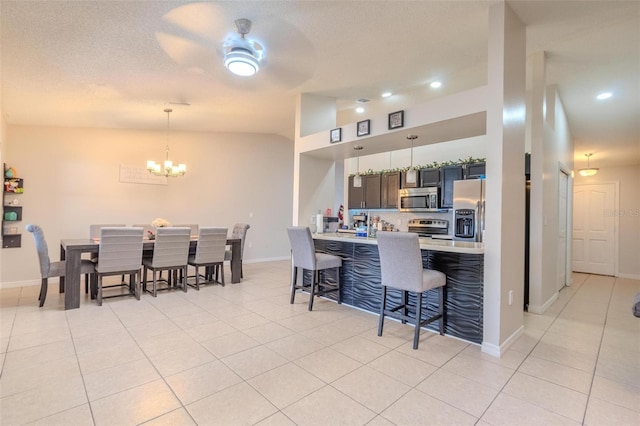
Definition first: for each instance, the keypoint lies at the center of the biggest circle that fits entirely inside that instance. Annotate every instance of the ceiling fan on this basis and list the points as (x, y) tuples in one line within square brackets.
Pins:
[(242, 56)]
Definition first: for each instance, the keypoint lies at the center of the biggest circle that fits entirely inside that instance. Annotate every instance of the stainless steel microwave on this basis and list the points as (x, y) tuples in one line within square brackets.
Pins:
[(419, 200)]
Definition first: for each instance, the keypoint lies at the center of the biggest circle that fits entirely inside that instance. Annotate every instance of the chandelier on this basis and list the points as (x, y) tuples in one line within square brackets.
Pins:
[(167, 169)]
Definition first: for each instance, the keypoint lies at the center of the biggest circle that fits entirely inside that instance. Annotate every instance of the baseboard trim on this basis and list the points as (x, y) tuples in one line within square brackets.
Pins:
[(629, 276), (497, 351), (541, 309)]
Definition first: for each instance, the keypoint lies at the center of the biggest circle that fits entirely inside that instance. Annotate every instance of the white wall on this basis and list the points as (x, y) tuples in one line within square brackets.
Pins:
[(72, 180), (628, 214)]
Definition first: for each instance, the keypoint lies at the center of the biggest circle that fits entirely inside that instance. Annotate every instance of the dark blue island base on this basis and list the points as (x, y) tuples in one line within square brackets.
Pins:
[(361, 286)]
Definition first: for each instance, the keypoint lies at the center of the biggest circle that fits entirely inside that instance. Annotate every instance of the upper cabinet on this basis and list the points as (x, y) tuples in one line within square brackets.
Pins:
[(475, 171), (367, 196), (448, 174), (405, 184), (430, 177), (390, 187)]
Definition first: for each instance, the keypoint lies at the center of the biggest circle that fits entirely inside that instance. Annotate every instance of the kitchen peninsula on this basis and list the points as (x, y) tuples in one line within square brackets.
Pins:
[(462, 262)]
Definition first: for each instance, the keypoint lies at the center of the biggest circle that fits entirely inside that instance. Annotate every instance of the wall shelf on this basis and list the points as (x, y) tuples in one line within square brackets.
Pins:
[(11, 210)]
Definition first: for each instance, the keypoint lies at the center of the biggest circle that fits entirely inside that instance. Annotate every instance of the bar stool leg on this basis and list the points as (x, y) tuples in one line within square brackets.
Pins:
[(294, 281), (416, 333), (314, 279), (383, 305), (405, 301), (442, 308)]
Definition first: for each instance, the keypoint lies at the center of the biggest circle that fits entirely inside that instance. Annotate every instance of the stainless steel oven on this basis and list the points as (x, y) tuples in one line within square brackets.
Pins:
[(419, 200)]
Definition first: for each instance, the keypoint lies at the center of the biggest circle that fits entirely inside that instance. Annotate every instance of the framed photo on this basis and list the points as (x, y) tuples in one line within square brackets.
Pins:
[(335, 135), (363, 127), (396, 120)]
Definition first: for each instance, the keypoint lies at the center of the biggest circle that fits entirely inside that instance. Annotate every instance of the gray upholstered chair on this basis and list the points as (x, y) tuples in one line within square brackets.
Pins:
[(239, 231), (210, 254), (401, 268), (119, 253), (304, 256), (170, 253), (50, 269)]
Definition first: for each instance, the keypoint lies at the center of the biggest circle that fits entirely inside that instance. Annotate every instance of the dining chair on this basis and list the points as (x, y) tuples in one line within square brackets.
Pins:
[(170, 253), (401, 268), (50, 269), (210, 254), (304, 256), (94, 234), (194, 228), (119, 253), (239, 231)]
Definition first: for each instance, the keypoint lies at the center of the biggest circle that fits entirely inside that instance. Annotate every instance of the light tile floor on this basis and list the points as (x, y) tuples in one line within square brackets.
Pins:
[(243, 355)]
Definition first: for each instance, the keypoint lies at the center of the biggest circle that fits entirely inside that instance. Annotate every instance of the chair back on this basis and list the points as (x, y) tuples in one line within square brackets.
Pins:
[(171, 247), (212, 243), (41, 247), (240, 231), (120, 249), (303, 251), (94, 230), (194, 228), (400, 260)]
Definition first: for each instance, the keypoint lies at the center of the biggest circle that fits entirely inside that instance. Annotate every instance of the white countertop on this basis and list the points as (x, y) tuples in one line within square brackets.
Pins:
[(425, 243)]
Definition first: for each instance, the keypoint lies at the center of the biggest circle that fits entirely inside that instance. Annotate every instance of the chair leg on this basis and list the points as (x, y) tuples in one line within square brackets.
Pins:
[(294, 281), (405, 301), (383, 306), (99, 295), (86, 283), (155, 290), (338, 284), (44, 284), (144, 279), (442, 309), (314, 279), (221, 267), (198, 276), (416, 332), (137, 279), (183, 278)]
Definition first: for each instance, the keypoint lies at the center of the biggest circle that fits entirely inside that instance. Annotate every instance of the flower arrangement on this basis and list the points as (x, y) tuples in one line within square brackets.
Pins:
[(160, 223)]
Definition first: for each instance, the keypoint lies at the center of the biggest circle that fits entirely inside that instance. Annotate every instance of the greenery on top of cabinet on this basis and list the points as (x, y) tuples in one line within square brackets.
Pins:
[(434, 165)]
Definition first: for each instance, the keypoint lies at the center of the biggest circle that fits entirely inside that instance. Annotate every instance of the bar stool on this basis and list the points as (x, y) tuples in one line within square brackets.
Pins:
[(401, 268), (304, 256)]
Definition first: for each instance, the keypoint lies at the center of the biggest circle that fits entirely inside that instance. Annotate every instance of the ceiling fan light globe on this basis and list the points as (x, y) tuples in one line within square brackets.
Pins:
[(588, 172), (241, 62)]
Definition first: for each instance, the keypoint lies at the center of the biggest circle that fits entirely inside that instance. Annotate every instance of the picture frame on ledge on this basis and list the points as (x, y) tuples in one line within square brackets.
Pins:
[(363, 128), (335, 135), (396, 120)]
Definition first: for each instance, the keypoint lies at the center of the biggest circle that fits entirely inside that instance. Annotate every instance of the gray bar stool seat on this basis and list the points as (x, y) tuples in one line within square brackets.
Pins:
[(401, 268), (304, 256)]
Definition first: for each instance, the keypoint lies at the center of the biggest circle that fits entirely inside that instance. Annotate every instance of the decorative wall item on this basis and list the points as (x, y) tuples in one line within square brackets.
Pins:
[(363, 128), (335, 135), (396, 120)]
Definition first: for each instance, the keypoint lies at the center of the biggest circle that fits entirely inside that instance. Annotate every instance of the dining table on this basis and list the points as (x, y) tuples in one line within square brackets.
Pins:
[(71, 251)]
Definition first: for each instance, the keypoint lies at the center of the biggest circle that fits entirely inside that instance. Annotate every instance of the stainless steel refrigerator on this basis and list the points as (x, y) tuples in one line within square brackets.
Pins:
[(468, 210)]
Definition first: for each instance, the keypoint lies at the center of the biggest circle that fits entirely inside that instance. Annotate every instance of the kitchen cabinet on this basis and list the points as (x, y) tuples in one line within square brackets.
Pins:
[(475, 171), (448, 174), (390, 186), (368, 196), (429, 177), (404, 183)]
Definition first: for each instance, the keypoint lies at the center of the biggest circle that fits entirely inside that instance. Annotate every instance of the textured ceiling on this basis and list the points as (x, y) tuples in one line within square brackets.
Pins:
[(118, 64)]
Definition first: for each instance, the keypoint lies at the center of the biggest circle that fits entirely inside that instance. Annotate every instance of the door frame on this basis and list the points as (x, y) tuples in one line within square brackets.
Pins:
[(616, 217)]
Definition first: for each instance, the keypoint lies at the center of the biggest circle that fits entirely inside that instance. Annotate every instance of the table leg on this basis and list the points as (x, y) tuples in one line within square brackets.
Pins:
[(72, 279), (63, 256), (236, 261)]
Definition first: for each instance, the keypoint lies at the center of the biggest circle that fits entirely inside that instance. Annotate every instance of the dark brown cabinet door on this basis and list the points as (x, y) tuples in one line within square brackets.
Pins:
[(448, 174), (390, 187), (372, 190), (474, 171), (429, 177), (356, 195)]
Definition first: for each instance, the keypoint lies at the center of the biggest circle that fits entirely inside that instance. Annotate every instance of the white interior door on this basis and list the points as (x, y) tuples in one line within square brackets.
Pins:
[(563, 188), (594, 229)]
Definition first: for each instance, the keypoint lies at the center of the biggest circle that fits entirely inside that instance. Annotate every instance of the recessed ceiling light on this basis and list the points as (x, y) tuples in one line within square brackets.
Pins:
[(360, 110), (386, 94), (604, 95), (435, 84)]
